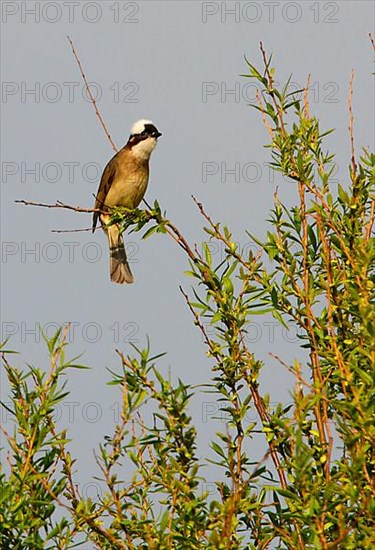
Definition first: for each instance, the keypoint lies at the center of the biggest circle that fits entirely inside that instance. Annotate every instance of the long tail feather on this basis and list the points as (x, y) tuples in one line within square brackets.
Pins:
[(119, 268)]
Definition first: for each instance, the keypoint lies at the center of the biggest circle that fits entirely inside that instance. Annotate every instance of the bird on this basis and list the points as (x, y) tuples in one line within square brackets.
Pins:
[(124, 183)]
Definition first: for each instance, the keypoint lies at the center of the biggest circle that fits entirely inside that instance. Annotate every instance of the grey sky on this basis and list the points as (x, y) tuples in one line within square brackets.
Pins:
[(177, 63)]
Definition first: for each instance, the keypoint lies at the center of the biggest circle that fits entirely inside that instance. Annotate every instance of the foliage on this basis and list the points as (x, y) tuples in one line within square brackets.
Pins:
[(313, 488)]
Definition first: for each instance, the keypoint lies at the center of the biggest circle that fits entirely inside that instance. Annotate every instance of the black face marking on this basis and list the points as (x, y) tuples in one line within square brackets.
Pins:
[(150, 129), (136, 138)]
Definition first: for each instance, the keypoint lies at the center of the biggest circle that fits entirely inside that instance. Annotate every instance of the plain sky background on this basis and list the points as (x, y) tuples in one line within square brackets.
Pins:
[(178, 63)]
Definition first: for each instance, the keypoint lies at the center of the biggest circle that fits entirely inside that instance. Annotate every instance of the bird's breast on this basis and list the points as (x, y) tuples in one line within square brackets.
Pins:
[(128, 189)]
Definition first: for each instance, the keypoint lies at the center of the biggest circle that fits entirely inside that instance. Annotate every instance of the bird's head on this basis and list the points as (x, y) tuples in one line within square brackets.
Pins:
[(143, 138)]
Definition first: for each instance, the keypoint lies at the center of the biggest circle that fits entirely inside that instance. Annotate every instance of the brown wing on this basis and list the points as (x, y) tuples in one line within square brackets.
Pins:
[(105, 183)]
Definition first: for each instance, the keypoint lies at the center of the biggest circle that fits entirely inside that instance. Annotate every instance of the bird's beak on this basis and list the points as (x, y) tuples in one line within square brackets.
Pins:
[(157, 134)]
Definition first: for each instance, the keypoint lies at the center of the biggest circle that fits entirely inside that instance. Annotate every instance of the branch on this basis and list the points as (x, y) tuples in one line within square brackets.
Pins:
[(71, 230), (171, 229), (351, 125), (59, 204), (222, 238), (92, 99)]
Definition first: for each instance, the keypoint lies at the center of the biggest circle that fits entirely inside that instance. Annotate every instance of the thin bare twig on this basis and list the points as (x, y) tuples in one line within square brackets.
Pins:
[(292, 370), (306, 105), (71, 230), (351, 123), (92, 99), (59, 204)]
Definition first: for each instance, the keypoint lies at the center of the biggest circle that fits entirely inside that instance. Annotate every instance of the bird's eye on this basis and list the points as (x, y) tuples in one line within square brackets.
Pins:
[(144, 133)]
